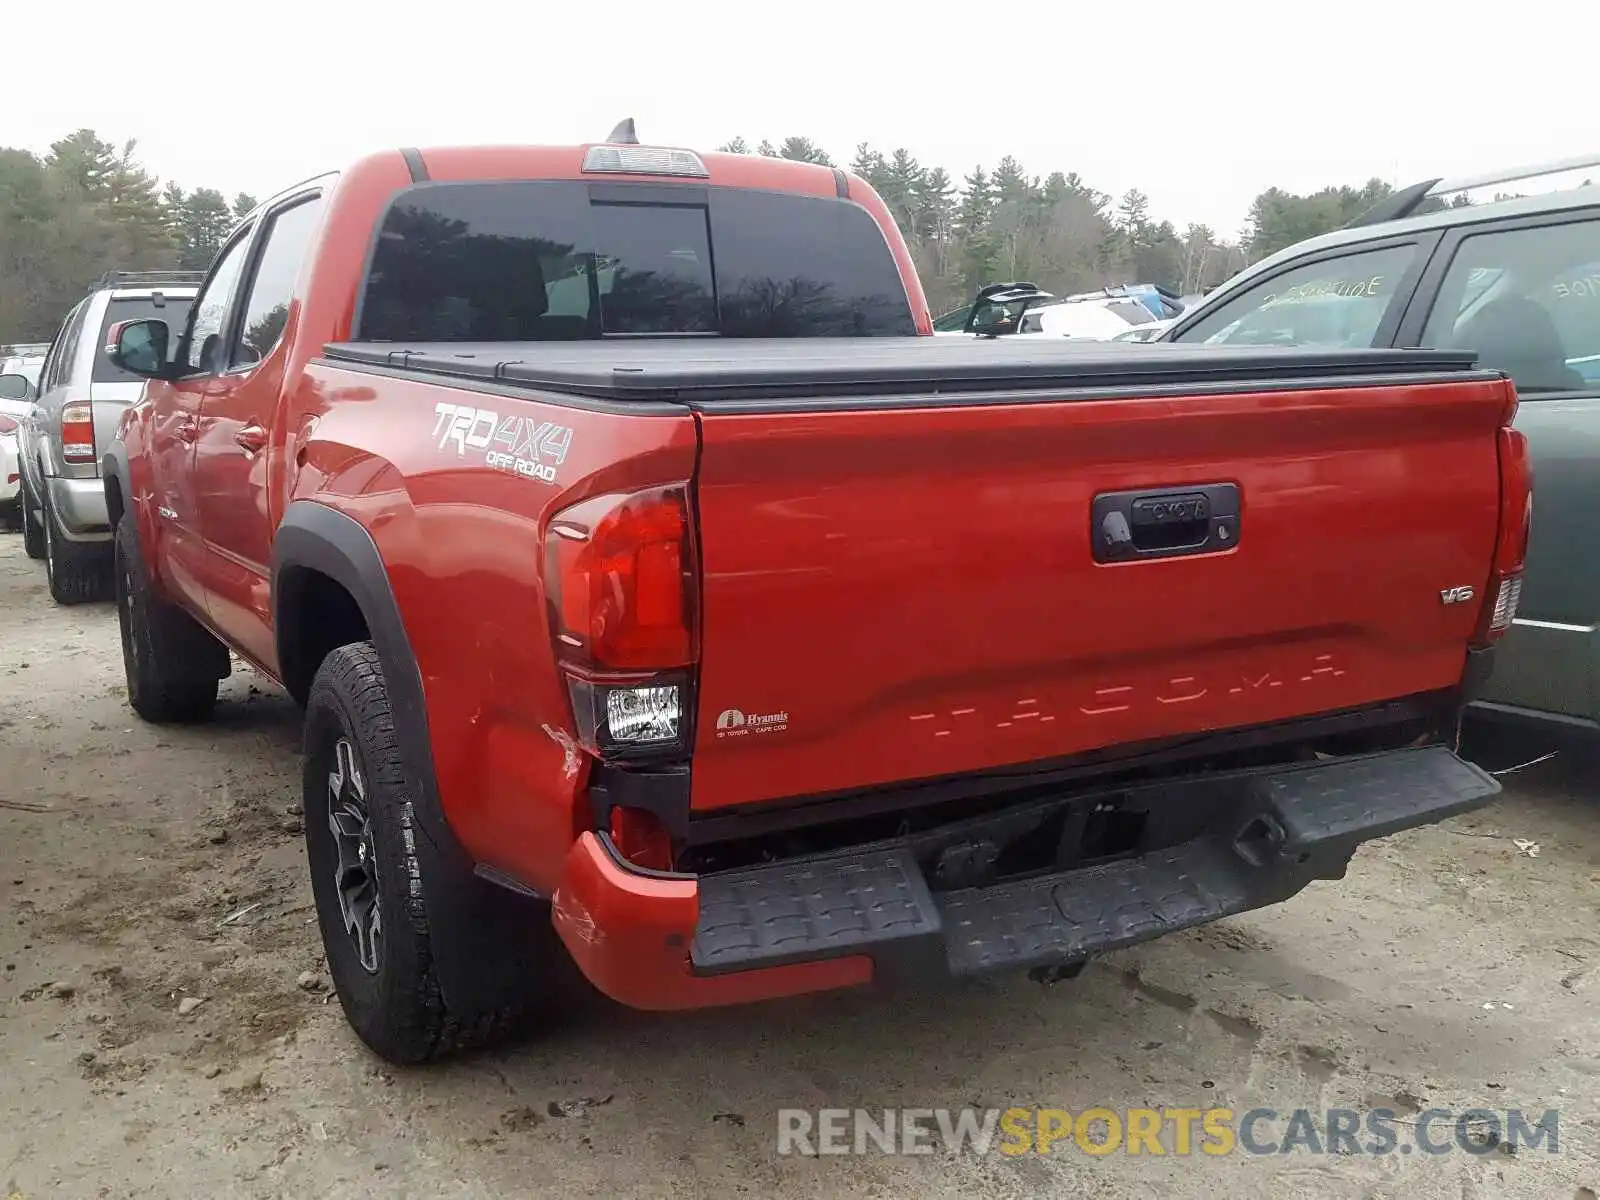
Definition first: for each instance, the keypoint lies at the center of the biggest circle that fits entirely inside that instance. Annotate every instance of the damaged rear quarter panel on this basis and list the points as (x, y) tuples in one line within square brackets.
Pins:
[(456, 489)]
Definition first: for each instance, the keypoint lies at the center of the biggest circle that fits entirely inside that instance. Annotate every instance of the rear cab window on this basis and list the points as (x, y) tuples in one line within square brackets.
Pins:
[(1331, 302), (567, 260), (174, 310)]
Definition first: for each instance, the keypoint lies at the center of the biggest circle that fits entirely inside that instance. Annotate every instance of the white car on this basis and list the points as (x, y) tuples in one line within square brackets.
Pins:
[(1025, 310), (10, 475), (1098, 320), (1145, 333), (29, 366), (12, 413)]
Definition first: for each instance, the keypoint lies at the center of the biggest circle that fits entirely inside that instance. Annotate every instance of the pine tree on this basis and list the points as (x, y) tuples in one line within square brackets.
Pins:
[(803, 149), (84, 162)]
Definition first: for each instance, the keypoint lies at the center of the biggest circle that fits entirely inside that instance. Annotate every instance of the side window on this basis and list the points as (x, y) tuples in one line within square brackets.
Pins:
[(51, 375), (204, 350), (1331, 302), (1528, 301), (47, 372), (266, 307), (67, 345)]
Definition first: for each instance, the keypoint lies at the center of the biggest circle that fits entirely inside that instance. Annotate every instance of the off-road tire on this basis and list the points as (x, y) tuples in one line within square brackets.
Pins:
[(77, 572), (172, 663), (32, 522), (397, 1009)]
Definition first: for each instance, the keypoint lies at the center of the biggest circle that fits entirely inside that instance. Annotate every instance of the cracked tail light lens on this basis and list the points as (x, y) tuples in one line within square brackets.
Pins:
[(620, 586), (643, 715), (620, 720), (77, 431)]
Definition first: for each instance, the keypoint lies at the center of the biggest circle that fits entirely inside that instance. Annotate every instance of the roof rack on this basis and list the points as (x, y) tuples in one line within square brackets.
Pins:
[(149, 279), (1408, 200)]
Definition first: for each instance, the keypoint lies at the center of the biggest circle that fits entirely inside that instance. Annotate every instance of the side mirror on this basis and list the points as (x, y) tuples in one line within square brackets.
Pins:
[(16, 387), (139, 347)]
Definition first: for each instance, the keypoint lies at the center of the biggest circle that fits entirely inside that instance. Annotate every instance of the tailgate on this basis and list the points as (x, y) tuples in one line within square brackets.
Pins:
[(901, 593)]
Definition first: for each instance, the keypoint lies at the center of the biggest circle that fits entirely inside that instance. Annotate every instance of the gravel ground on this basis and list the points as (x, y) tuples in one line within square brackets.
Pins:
[(164, 1028)]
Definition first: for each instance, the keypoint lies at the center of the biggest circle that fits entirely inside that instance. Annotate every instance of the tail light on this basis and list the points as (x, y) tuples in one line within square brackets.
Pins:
[(77, 431), (620, 583), (1511, 540)]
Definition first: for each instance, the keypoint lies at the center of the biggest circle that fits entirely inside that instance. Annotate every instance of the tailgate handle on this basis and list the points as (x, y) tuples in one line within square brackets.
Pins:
[(1200, 519)]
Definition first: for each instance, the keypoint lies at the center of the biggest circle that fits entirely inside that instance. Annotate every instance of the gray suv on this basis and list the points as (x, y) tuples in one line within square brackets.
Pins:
[(1516, 277), (77, 403)]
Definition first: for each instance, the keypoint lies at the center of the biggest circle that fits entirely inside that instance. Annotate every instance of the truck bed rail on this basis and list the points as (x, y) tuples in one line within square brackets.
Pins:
[(690, 370)]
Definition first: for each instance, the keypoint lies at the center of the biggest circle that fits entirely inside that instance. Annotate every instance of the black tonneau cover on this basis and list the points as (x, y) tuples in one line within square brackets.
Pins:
[(719, 371)]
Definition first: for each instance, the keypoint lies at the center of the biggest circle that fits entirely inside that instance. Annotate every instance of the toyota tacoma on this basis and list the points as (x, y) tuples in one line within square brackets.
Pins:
[(663, 595)]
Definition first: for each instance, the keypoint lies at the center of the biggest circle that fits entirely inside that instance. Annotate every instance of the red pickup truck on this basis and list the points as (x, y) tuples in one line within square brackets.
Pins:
[(658, 588)]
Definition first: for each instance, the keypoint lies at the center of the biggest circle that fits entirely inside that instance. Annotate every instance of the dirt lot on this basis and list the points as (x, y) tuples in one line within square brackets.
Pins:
[(1451, 969)]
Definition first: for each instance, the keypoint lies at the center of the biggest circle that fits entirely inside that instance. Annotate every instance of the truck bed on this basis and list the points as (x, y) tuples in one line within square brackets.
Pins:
[(763, 374)]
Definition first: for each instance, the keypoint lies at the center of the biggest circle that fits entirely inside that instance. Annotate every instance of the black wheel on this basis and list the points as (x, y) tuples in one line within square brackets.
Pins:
[(172, 663), (77, 572), (32, 524), (371, 888)]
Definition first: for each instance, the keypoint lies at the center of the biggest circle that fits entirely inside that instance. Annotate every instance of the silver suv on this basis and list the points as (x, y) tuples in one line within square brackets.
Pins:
[(78, 401)]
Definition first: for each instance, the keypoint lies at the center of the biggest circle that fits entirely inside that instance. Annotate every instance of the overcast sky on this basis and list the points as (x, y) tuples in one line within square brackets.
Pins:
[(1201, 104)]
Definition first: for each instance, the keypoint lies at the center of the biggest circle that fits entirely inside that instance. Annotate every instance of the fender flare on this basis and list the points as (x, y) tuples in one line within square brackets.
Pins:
[(478, 926), (114, 465), (115, 468)]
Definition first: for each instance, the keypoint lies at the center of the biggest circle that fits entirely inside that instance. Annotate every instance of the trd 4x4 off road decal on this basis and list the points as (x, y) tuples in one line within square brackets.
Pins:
[(519, 445)]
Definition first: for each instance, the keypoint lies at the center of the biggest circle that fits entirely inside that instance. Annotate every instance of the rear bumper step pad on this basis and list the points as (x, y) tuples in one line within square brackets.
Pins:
[(1294, 825)]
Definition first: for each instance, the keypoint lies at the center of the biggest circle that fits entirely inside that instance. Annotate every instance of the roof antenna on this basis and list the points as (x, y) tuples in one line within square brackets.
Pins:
[(623, 134)]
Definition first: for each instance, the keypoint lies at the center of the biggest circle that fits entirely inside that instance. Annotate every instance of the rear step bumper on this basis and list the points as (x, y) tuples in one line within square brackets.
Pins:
[(845, 918)]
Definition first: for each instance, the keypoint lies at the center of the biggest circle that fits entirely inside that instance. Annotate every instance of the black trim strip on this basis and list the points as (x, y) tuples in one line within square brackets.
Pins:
[(1045, 393), (841, 184), (685, 370), (736, 399), (414, 164), (500, 879)]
